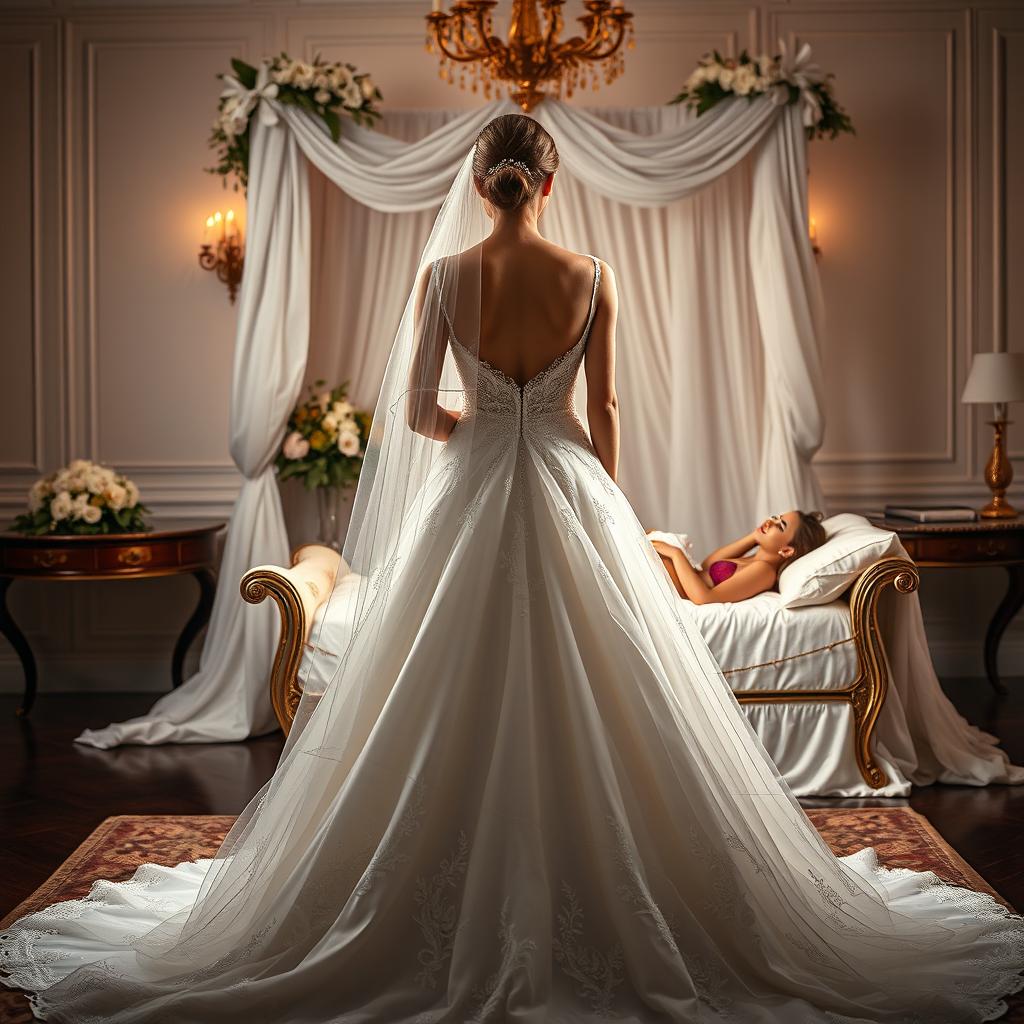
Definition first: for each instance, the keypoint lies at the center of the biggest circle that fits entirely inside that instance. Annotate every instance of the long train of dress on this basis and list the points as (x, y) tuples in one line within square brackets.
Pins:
[(557, 812)]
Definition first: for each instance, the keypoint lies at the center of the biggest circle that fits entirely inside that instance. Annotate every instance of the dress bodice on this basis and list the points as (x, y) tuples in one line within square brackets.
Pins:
[(492, 393)]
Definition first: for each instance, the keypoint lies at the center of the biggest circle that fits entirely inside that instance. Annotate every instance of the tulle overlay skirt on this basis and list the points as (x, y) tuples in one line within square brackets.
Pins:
[(546, 807)]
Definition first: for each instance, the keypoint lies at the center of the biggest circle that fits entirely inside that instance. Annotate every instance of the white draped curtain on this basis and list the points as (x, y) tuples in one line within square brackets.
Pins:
[(704, 221)]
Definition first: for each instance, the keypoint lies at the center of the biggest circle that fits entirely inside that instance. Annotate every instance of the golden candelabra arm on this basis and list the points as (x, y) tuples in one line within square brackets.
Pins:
[(589, 48), (467, 54), (555, 24)]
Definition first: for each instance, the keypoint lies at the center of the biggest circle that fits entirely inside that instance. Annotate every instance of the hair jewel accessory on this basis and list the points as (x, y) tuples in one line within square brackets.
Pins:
[(509, 162)]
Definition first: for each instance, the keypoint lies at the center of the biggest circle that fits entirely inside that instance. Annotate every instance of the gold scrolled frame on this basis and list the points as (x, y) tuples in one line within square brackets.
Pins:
[(866, 694), (299, 591)]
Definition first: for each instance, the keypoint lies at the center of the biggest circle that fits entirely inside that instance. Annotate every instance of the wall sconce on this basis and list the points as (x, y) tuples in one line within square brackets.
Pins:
[(812, 231), (222, 250)]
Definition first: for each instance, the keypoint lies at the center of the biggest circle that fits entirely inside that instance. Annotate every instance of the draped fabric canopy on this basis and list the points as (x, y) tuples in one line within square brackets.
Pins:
[(702, 219)]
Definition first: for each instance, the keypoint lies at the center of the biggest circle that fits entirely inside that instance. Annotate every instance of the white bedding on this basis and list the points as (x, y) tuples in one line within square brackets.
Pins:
[(760, 630), (919, 736)]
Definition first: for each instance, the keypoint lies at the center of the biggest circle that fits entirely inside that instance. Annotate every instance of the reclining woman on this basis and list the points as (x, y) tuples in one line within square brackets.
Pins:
[(731, 574)]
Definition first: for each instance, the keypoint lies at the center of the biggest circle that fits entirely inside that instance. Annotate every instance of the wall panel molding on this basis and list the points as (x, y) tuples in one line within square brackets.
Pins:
[(32, 306), (912, 467)]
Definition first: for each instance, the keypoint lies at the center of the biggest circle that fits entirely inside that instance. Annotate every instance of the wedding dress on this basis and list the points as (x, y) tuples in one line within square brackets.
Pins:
[(528, 796)]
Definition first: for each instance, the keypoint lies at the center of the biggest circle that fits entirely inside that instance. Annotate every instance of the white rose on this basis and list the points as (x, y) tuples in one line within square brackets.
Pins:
[(96, 481), (725, 77), (79, 503), (342, 409), (236, 124), (117, 496), (767, 67), (330, 422), (282, 75), (323, 96), (711, 72), (133, 493), (303, 74), (352, 95), (295, 446), (348, 443), (60, 507), (92, 514), (744, 79), (339, 76), (78, 465), (366, 84), (349, 423), (37, 494), (320, 80)]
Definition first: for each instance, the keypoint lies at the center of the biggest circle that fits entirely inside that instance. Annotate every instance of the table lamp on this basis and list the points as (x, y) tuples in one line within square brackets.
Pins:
[(997, 377)]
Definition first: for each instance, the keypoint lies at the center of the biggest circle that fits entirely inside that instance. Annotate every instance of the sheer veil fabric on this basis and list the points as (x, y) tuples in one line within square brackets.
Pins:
[(519, 788)]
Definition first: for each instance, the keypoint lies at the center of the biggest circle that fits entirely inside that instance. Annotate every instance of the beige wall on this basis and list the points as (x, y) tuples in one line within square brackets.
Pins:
[(117, 346)]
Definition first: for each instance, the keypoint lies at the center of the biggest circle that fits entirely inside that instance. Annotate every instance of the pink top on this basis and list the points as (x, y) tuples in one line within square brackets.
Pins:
[(720, 571)]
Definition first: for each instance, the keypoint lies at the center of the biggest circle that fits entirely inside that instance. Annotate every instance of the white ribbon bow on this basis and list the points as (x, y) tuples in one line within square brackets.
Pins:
[(246, 99), (801, 71)]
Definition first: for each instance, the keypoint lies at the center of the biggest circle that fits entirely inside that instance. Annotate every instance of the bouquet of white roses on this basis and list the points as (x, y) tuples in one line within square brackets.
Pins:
[(784, 78), (326, 439), (83, 497), (326, 90)]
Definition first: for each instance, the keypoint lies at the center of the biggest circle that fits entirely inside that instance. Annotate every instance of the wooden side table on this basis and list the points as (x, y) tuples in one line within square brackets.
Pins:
[(983, 542), (170, 548)]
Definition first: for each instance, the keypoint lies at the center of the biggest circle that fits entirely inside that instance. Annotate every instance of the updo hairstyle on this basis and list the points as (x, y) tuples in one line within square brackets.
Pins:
[(514, 155)]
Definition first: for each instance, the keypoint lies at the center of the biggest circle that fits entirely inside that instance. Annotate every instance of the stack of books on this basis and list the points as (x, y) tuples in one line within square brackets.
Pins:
[(932, 513)]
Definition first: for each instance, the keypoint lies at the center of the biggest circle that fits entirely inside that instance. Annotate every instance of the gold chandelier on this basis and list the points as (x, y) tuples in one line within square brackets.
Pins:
[(532, 56)]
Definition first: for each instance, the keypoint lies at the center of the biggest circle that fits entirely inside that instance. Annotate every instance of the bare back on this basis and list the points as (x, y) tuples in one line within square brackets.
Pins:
[(535, 300)]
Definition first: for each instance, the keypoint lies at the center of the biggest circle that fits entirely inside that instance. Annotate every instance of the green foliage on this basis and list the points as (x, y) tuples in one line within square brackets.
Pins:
[(330, 100), (749, 77)]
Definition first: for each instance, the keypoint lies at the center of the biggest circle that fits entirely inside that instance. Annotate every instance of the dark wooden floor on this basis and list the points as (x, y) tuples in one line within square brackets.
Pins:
[(54, 792)]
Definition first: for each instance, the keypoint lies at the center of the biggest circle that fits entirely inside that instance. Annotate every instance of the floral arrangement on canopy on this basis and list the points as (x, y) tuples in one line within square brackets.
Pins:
[(783, 78), (325, 440), (326, 90), (83, 497)]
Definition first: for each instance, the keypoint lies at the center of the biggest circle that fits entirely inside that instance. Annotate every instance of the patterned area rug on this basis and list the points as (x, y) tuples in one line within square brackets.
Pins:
[(902, 837)]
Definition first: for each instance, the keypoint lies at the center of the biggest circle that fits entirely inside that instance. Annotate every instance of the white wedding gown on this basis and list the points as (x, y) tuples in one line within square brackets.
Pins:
[(557, 811)]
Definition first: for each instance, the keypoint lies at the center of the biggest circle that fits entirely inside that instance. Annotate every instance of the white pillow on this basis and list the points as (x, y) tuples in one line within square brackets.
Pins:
[(823, 574)]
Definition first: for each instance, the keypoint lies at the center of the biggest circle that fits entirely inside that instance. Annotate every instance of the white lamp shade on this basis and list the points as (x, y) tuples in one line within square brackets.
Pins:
[(995, 377)]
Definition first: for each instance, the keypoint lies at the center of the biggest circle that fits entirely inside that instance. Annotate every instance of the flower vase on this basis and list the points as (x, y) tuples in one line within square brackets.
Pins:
[(329, 501)]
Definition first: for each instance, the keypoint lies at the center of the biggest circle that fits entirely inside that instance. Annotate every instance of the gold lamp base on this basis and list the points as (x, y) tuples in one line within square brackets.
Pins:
[(998, 475)]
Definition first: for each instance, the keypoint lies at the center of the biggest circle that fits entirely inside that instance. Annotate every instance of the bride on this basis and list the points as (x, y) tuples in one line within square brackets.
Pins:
[(525, 791)]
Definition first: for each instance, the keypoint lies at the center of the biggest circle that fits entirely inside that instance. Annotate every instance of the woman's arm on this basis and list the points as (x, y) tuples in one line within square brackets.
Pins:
[(602, 402), (734, 549), (747, 582), (422, 412)]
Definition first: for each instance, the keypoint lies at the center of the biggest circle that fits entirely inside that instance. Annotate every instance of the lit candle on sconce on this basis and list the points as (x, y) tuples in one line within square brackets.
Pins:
[(812, 232), (436, 6), (221, 251)]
